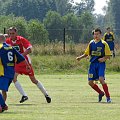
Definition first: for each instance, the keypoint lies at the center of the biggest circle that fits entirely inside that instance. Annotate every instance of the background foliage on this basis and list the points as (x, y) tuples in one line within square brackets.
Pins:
[(50, 17), (43, 23)]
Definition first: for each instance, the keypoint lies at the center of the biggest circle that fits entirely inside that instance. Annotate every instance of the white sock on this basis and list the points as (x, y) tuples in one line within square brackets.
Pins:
[(19, 88), (41, 87)]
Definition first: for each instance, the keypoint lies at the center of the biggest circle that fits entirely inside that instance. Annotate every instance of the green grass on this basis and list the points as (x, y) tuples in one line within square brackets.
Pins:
[(50, 59), (67, 64), (72, 98)]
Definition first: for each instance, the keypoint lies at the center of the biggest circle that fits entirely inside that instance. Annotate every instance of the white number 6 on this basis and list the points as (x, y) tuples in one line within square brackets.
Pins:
[(10, 56)]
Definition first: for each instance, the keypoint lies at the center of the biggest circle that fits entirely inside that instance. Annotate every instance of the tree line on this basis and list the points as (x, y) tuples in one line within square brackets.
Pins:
[(43, 21), (37, 9)]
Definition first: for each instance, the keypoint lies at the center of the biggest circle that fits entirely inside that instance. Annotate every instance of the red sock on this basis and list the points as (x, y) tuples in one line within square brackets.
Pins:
[(105, 88), (97, 89)]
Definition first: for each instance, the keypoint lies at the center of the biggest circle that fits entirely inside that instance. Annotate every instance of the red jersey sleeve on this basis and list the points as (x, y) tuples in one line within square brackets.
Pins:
[(26, 44), (20, 43), (8, 41)]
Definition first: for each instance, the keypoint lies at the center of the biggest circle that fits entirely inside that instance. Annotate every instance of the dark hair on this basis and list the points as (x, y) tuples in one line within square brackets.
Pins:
[(93, 32), (107, 28), (98, 30), (13, 28)]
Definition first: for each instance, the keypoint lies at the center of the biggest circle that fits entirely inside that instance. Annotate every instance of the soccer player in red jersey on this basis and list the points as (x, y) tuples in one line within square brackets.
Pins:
[(99, 52), (24, 47)]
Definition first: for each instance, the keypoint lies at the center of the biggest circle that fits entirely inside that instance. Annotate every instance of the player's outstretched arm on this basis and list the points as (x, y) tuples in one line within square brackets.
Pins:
[(81, 57)]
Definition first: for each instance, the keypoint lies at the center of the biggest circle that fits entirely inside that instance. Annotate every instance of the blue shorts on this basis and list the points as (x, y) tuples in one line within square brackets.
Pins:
[(111, 45), (5, 83), (96, 70)]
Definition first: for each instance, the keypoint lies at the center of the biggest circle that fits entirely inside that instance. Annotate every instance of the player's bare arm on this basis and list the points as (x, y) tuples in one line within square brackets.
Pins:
[(103, 59), (27, 52), (27, 65), (80, 57)]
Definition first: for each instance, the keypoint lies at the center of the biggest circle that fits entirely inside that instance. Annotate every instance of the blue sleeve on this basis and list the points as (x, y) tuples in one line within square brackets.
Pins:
[(18, 57)]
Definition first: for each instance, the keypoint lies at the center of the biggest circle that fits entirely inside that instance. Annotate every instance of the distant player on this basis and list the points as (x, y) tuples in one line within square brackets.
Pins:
[(8, 57), (24, 47), (109, 38), (99, 52)]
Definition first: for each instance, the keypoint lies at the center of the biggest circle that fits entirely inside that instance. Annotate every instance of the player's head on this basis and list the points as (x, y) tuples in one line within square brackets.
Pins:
[(2, 38), (12, 31), (97, 34), (108, 29)]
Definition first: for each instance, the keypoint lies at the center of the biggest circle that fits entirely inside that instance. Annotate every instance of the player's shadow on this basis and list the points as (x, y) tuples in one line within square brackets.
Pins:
[(99, 102), (7, 112), (22, 104)]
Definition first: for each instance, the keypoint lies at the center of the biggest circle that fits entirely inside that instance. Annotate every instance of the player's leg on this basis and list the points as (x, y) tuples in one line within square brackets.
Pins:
[(102, 81), (5, 82), (41, 87), (19, 88), (93, 75), (2, 102), (105, 88), (113, 53), (112, 46), (95, 87), (4, 93), (3, 106)]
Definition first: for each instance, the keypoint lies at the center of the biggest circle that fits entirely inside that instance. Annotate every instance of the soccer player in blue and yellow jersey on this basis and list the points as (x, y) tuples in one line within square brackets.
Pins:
[(8, 57), (109, 38), (99, 52)]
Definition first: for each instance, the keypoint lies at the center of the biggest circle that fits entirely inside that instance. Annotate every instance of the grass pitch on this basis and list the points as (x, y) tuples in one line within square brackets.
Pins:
[(72, 99)]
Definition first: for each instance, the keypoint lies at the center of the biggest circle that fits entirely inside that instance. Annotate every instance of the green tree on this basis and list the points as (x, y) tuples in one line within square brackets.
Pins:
[(19, 22), (37, 34), (70, 22), (89, 5), (63, 6), (99, 20), (6, 22), (84, 5), (111, 17), (29, 9), (88, 25), (53, 24)]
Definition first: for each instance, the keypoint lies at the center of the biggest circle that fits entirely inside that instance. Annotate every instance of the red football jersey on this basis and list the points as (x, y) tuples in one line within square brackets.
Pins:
[(20, 44)]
